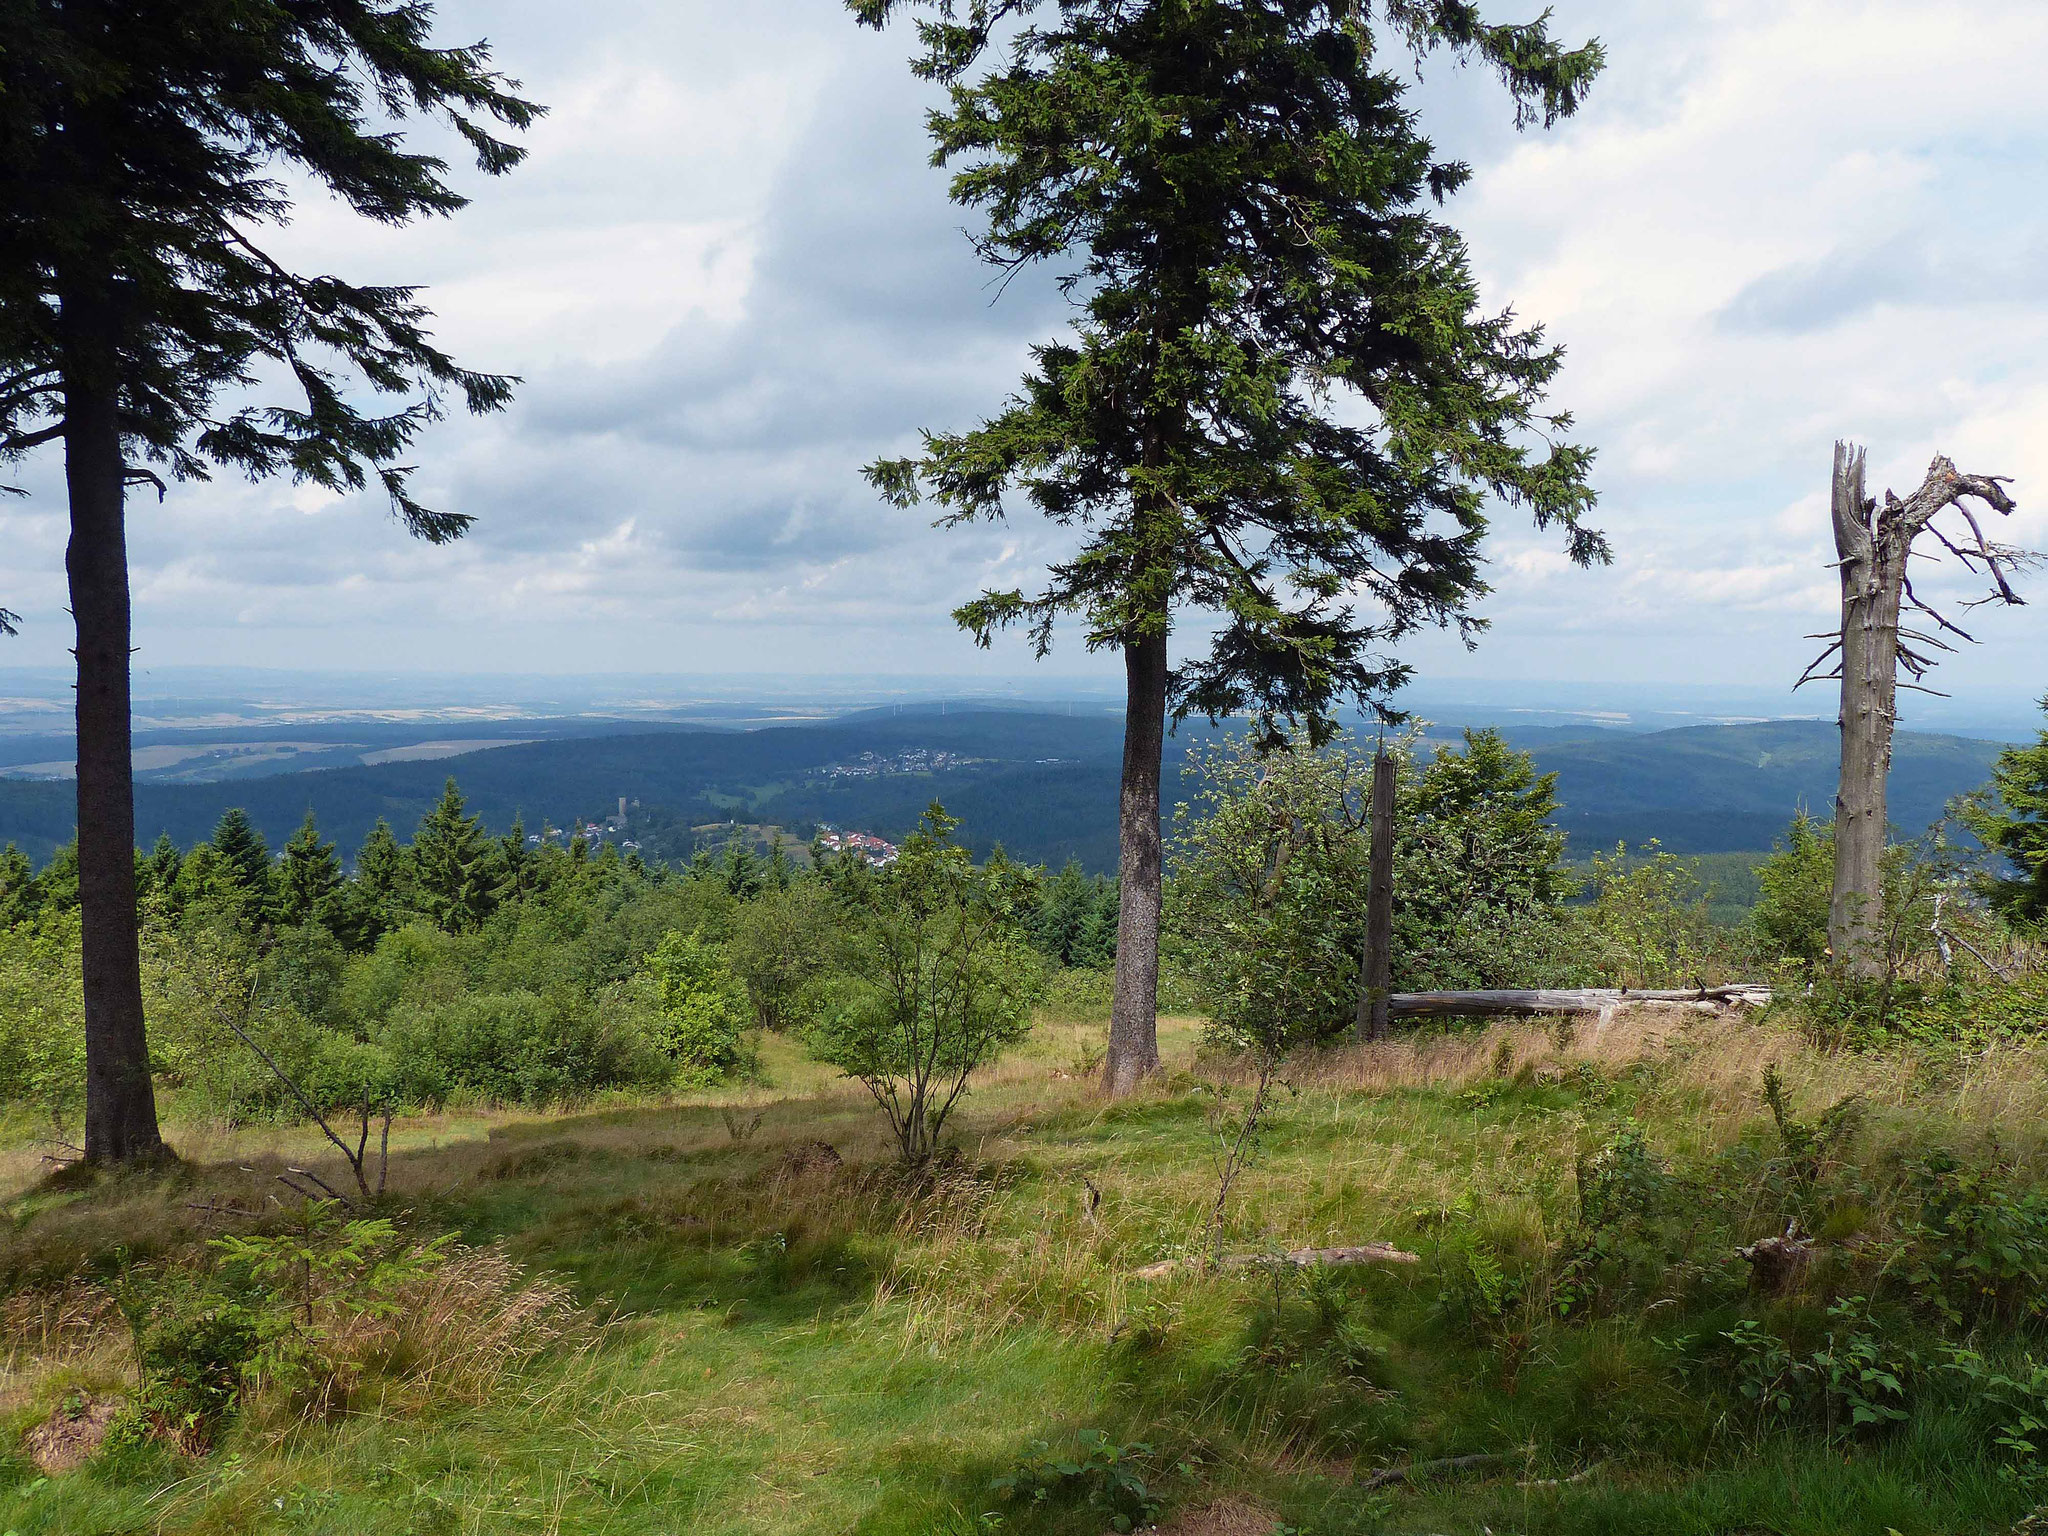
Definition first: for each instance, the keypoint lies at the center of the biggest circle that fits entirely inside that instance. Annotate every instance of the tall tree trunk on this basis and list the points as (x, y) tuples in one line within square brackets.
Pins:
[(1872, 566), (120, 1106), (1373, 1012), (1134, 1015)]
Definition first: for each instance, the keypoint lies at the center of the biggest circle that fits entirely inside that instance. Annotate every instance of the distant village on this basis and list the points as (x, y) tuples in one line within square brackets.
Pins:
[(873, 765), (877, 851), (610, 829)]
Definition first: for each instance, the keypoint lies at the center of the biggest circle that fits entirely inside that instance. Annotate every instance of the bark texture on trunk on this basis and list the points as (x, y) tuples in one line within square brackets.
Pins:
[(1874, 544), (1499, 1004), (1873, 581), (1134, 1015), (120, 1105), (1373, 1015)]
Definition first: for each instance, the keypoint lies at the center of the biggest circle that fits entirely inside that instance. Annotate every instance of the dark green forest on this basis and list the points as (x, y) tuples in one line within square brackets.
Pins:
[(1047, 791)]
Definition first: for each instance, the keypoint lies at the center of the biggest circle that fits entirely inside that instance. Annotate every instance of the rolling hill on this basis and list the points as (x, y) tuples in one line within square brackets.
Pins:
[(1044, 785)]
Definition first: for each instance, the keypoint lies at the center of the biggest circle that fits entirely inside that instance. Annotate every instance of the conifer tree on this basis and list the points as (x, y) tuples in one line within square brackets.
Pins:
[(145, 149), (308, 878), (1281, 403), (2010, 817), (19, 898), (451, 865), (57, 883), (516, 869), (241, 848), (1065, 904), (378, 896), (742, 869), (159, 871)]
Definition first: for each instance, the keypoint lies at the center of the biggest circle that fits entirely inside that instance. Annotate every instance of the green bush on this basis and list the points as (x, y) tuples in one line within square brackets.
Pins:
[(1855, 1381), (940, 981), (702, 1007), (511, 1048), (1096, 1473), (1977, 1250), (196, 1346)]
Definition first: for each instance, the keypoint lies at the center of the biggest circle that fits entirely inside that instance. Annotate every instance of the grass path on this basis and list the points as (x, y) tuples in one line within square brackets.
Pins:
[(778, 1344)]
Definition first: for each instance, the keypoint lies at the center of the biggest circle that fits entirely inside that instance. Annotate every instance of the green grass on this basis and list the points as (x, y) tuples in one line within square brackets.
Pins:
[(770, 1344)]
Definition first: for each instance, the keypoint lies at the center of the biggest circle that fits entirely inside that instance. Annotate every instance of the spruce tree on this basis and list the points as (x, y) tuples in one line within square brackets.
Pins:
[(451, 865), (145, 149), (158, 874), (1065, 903), (378, 898), (516, 869), (243, 863), (308, 878), (241, 847), (2010, 817), (58, 881), (742, 870), (19, 898), (1281, 403)]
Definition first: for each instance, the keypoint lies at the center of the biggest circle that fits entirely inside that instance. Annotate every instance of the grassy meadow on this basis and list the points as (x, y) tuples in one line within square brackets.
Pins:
[(735, 1313)]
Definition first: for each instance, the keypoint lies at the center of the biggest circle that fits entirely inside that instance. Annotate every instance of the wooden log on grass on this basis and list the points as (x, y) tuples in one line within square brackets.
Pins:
[(1297, 1258), (1523, 1004)]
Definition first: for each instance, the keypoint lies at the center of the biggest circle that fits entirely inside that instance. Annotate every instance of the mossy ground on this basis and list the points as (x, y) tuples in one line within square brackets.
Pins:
[(778, 1344)]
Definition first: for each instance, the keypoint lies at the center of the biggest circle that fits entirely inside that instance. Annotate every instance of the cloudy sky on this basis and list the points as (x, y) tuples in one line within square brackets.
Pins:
[(729, 278)]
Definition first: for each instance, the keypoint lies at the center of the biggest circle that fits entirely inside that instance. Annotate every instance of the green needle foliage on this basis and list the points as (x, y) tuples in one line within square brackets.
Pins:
[(309, 879), (144, 151), (1281, 402), (2010, 816), (140, 152), (452, 865)]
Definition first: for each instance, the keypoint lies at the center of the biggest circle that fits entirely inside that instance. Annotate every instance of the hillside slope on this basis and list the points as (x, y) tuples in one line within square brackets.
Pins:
[(1043, 785)]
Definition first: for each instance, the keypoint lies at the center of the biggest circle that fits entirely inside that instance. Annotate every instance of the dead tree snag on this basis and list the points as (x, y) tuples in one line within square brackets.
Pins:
[(1874, 544)]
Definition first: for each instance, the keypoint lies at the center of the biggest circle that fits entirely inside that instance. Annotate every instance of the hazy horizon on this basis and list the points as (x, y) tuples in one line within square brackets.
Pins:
[(729, 278)]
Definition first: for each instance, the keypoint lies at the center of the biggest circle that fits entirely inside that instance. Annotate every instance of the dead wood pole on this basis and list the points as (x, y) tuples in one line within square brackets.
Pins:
[(1873, 545), (1373, 1014)]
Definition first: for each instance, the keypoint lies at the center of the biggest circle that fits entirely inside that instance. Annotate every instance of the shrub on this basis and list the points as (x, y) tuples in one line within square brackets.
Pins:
[(1978, 1249), (1648, 924), (2016, 1404), (941, 981), (510, 1048), (782, 943), (702, 1007), (195, 1349), (1098, 1473), (1795, 887), (1855, 1381), (42, 1016), (1622, 1240)]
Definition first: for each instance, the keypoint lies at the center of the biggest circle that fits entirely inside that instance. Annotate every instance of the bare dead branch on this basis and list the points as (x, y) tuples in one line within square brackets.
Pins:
[(133, 476)]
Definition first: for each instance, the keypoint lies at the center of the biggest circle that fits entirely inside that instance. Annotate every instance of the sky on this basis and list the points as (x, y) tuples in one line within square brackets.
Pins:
[(728, 277)]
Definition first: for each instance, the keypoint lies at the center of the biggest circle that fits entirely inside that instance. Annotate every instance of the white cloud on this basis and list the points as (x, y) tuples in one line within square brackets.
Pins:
[(729, 280)]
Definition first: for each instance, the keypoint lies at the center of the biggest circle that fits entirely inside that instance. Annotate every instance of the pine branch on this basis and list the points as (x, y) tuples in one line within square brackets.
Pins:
[(16, 444)]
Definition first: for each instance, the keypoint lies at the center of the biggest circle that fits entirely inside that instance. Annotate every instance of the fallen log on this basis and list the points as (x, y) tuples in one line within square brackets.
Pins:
[(1298, 1258), (1450, 1005)]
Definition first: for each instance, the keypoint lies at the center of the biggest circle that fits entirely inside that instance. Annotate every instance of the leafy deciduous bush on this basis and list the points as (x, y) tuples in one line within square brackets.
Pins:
[(702, 1007), (940, 980)]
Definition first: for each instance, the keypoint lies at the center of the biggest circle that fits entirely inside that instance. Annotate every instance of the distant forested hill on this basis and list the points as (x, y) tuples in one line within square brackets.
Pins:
[(1719, 788), (1045, 785)]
